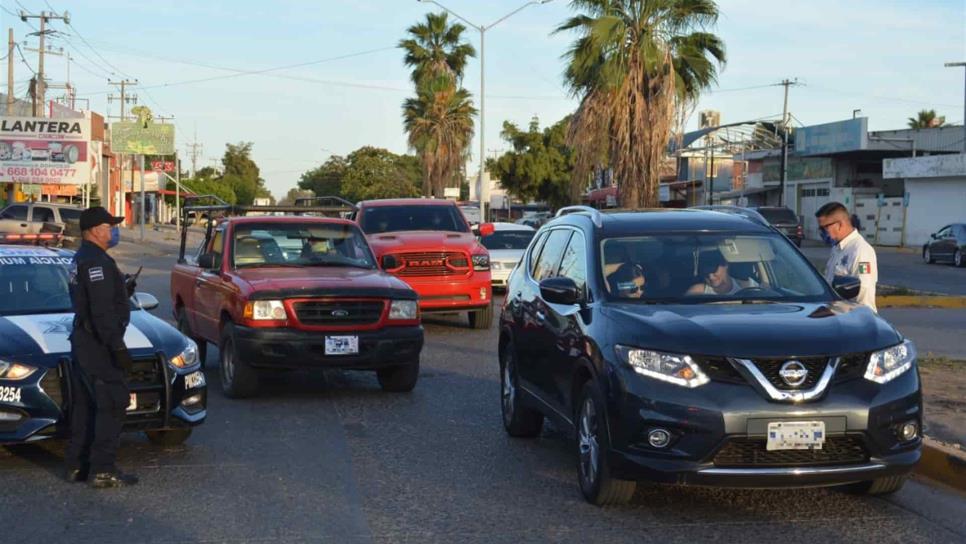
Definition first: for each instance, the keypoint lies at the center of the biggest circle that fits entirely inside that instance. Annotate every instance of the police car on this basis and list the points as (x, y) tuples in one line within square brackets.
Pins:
[(168, 388)]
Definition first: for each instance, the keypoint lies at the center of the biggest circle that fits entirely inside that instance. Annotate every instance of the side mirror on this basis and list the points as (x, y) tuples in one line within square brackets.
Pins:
[(933, 236), (560, 291), (145, 301), (846, 286), (210, 261), (486, 229), (390, 262)]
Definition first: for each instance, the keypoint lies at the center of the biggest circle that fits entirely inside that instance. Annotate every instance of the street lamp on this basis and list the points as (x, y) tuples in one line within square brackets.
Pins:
[(484, 187), (963, 65)]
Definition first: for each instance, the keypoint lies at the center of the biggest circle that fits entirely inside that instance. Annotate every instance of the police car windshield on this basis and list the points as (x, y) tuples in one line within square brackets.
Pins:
[(33, 282), (300, 244), (708, 268)]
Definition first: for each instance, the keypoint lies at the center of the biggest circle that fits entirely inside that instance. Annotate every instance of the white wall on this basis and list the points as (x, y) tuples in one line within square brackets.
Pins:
[(933, 203)]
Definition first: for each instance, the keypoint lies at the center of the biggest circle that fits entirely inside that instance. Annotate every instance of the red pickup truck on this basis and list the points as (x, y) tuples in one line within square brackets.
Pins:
[(276, 292), (428, 244)]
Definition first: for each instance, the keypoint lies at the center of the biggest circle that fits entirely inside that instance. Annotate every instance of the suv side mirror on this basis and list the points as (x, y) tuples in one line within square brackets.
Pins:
[(933, 236), (846, 286), (210, 261), (390, 262), (560, 290)]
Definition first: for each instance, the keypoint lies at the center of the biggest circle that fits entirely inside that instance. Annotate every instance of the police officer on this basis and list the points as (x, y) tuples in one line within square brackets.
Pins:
[(851, 254), (99, 294)]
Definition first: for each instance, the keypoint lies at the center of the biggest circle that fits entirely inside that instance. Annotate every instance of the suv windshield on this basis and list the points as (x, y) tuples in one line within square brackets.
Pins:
[(697, 268), (508, 239), (378, 219), (33, 283), (300, 244), (778, 215)]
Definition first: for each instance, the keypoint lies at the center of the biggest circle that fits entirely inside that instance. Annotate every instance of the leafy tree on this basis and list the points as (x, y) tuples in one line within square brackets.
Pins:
[(631, 64), (241, 173), (927, 119), (436, 48), (325, 180), (378, 173), (540, 166)]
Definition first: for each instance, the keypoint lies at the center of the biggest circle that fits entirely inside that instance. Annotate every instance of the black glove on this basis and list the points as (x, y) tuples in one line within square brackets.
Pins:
[(130, 284), (122, 359)]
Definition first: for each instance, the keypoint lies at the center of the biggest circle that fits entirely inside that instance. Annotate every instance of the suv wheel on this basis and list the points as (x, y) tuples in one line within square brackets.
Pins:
[(238, 379), (481, 319), (596, 482), (168, 437), (518, 420), (399, 379), (185, 329), (927, 255), (879, 486), (958, 259)]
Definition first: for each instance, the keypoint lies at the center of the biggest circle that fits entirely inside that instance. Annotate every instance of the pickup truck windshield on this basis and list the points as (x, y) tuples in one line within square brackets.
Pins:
[(300, 244), (379, 219)]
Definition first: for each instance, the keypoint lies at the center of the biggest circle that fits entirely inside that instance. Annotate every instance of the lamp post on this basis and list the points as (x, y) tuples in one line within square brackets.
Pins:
[(484, 187), (961, 65)]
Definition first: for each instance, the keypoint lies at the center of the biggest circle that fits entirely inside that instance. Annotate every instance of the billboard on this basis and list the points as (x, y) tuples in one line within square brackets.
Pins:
[(839, 137), (142, 138), (39, 151)]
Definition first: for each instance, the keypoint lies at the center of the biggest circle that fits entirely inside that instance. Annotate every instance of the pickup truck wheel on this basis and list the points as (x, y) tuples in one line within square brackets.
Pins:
[(185, 329), (399, 379), (481, 319), (238, 380), (168, 437)]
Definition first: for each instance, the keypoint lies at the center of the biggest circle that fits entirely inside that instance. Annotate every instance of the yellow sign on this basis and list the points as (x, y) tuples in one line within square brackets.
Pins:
[(142, 138)]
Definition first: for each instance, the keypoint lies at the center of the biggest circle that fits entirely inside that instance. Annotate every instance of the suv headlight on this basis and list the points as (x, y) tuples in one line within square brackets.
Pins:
[(481, 262), (888, 364), (188, 357), (403, 310), (15, 371), (668, 367), (265, 310)]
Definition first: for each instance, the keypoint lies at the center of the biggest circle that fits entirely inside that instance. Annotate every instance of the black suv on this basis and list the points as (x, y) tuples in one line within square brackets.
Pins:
[(698, 347), (784, 220)]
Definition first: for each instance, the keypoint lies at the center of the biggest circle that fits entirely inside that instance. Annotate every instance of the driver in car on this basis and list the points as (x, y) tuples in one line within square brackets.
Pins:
[(628, 281), (713, 267)]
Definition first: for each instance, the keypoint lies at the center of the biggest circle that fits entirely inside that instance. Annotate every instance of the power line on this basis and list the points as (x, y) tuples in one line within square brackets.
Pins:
[(881, 97), (24, 59)]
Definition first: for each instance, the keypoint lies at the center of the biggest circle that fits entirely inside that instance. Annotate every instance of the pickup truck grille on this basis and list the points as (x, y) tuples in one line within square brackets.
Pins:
[(428, 264), (339, 313)]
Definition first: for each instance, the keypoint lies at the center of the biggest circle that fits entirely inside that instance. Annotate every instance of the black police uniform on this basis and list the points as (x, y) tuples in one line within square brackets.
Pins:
[(99, 392)]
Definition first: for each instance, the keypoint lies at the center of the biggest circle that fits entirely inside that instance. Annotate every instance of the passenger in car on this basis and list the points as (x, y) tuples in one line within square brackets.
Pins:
[(615, 256), (713, 269), (628, 281)]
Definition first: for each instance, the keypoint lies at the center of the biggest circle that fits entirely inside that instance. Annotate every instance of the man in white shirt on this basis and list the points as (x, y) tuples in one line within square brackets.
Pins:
[(851, 254)]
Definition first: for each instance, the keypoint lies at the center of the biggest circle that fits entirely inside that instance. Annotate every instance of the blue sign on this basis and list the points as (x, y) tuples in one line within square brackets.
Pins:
[(839, 137)]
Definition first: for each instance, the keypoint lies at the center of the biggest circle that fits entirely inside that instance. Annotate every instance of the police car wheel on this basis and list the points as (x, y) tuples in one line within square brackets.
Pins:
[(185, 329), (238, 379), (168, 437)]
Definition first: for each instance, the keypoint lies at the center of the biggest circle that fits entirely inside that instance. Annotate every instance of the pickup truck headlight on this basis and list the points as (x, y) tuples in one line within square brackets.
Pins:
[(888, 364), (188, 357), (481, 263), (668, 367), (15, 371), (265, 310), (403, 310)]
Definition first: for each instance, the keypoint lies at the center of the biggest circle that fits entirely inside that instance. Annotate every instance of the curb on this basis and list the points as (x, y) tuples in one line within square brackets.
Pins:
[(921, 301), (943, 463)]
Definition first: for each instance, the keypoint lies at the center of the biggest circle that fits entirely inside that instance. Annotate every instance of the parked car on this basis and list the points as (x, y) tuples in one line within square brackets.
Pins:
[(428, 244), (784, 220), (42, 218), (506, 246), (700, 348), (168, 387), (283, 292), (948, 244)]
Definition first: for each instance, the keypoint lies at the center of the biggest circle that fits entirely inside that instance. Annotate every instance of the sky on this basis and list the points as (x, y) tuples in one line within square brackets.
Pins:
[(333, 80)]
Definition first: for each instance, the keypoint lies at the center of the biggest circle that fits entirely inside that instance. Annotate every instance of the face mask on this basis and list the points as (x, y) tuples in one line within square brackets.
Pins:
[(115, 237), (826, 238)]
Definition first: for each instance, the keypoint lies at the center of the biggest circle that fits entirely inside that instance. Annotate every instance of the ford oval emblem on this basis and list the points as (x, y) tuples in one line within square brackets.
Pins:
[(793, 373), (340, 313)]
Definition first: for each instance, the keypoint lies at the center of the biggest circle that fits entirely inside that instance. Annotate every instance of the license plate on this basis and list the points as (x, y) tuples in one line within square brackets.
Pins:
[(195, 379), (9, 394), (795, 435), (341, 345), (132, 403)]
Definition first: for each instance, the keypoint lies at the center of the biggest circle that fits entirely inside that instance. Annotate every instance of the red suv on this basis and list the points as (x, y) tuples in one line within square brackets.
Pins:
[(428, 244)]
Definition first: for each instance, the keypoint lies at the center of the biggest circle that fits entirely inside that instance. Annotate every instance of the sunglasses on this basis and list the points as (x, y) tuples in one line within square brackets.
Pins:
[(827, 225)]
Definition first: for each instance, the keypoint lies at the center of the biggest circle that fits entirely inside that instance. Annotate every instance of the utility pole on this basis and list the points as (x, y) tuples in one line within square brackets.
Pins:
[(961, 65), (123, 84), (781, 187), (194, 149), (10, 46), (42, 33)]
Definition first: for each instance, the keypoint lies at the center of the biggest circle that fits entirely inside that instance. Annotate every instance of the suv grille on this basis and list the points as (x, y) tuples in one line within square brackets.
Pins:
[(428, 264), (851, 367), (770, 368), (719, 369), (339, 313), (751, 452)]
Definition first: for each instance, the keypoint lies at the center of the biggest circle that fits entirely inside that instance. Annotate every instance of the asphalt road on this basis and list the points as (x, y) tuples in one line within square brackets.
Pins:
[(905, 268), (331, 458)]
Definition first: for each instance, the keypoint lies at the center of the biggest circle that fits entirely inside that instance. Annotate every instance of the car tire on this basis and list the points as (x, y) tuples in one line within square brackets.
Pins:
[(481, 319), (927, 256), (518, 420), (185, 328), (593, 471), (168, 437), (879, 486), (400, 378), (238, 379), (958, 259)]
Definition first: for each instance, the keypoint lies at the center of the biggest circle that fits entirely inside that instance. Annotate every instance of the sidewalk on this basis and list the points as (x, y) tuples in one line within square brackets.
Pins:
[(165, 240)]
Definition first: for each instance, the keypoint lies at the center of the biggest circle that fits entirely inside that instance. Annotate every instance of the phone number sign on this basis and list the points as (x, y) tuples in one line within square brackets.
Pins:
[(38, 174)]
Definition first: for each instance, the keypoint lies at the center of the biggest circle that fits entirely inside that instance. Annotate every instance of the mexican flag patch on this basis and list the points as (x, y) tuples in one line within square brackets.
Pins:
[(865, 268)]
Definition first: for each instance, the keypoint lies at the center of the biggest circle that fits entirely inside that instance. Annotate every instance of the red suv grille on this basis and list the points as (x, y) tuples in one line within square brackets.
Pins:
[(429, 264)]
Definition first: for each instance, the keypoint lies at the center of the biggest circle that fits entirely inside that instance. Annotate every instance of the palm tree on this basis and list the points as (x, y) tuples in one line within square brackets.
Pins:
[(435, 47), (439, 121), (927, 119), (632, 64)]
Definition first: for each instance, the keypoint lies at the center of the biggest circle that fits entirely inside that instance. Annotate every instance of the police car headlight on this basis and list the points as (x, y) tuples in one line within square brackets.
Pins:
[(888, 364), (15, 371), (403, 310), (667, 367), (265, 310), (188, 357)]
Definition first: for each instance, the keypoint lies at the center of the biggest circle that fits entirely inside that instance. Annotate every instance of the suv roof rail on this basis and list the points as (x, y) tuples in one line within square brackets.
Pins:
[(594, 213), (749, 214)]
